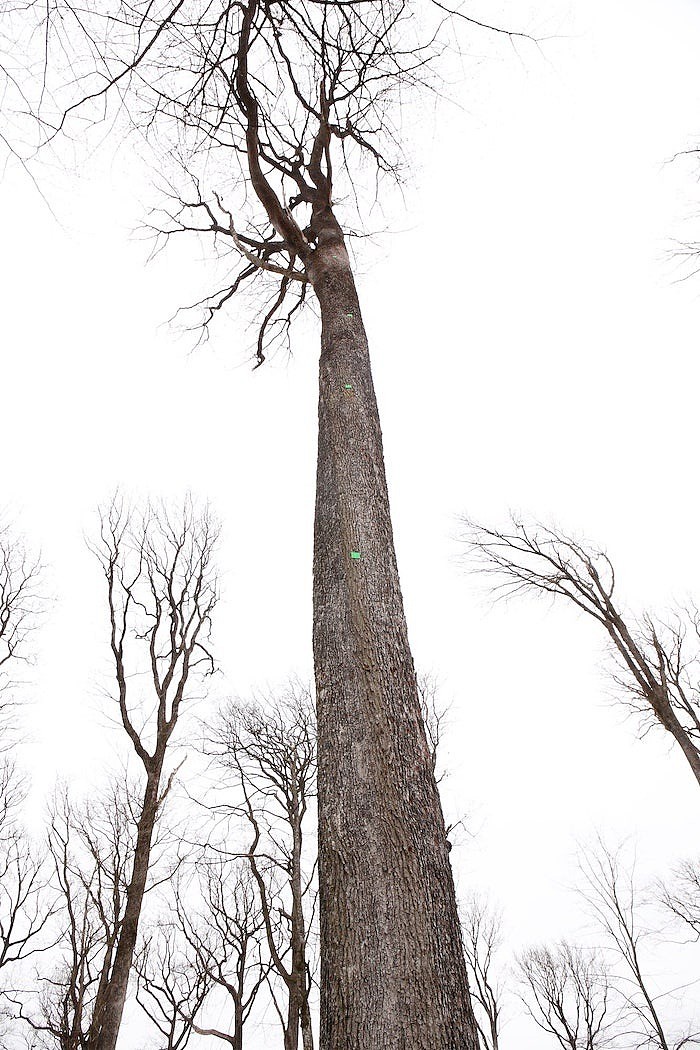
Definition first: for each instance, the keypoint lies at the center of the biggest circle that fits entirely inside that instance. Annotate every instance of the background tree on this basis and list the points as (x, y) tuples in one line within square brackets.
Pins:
[(214, 942), (298, 93), (681, 896), (687, 251), (161, 592), (172, 986), (613, 897), (567, 993), (657, 660), (92, 851), (269, 752), (27, 905), (19, 606), (25, 908), (434, 712), (483, 936)]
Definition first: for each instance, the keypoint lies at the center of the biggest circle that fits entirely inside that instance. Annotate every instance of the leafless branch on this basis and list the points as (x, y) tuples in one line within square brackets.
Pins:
[(268, 750), (658, 659), (567, 994), (482, 930), (20, 601)]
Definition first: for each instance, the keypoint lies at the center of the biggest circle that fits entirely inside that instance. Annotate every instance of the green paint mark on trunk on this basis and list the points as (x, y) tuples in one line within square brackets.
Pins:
[(355, 555)]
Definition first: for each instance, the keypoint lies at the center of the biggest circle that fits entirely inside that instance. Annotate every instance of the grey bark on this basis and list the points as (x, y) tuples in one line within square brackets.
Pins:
[(392, 968)]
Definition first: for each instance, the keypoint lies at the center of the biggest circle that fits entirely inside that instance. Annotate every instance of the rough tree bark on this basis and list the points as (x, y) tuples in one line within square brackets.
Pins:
[(392, 966)]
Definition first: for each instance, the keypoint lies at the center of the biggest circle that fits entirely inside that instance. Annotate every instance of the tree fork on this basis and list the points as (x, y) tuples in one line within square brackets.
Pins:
[(393, 973)]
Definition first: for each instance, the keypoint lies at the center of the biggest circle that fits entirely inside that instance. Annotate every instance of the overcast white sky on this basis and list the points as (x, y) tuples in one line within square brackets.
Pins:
[(531, 350)]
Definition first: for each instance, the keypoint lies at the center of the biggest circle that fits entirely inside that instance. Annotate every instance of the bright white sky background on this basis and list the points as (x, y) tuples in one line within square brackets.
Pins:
[(532, 349)]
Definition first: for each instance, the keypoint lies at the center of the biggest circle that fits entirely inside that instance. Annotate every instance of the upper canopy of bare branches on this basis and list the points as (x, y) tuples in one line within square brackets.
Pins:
[(161, 591), (280, 109), (567, 994), (270, 748)]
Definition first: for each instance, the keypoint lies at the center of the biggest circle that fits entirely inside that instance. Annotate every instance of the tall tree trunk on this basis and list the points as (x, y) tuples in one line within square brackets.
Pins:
[(237, 1041), (393, 974), (108, 1022)]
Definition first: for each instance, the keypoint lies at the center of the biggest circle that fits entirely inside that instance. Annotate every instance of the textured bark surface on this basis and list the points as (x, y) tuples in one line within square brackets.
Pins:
[(392, 968)]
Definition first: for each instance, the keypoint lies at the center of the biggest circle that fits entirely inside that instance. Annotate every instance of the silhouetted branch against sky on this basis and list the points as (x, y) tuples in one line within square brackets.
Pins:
[(161, 591), (566, 990), (263, 115), (657, 657), (20, 602), (680, 896)]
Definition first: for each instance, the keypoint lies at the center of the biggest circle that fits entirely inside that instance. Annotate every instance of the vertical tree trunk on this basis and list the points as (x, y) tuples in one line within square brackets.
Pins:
[(307, 1035), (291, 1031), (108, 1014), (393, 974), (237, 1041)]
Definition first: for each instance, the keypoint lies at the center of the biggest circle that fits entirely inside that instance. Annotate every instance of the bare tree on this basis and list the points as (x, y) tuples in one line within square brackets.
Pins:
[(681, 896), (161, 591), (686, 251), (27, 906), (567, 995), (270, 750), (482, 930), (658, 661), (172, 987), (92, 850), (434, 711), (19, 605), (295, 99), (220, 931), (613, 897)]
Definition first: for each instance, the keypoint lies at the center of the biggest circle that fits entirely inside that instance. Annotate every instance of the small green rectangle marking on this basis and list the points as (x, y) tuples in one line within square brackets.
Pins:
[(348, 386), (355, 555)]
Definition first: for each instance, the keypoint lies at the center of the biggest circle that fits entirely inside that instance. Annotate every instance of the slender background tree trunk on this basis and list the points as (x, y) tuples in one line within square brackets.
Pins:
[(109, 1021), (392, 968)]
